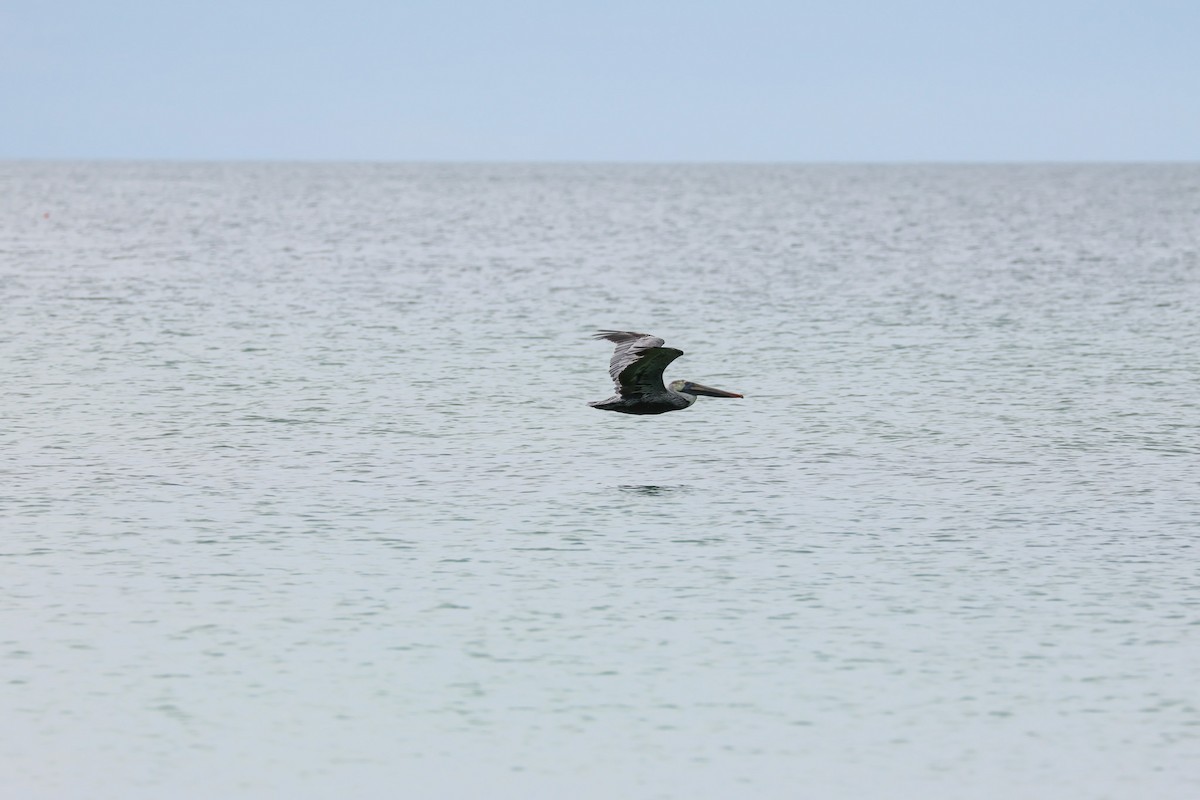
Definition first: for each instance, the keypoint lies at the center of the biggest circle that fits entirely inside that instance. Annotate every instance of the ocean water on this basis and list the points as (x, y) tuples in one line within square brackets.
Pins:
[(300, 495)]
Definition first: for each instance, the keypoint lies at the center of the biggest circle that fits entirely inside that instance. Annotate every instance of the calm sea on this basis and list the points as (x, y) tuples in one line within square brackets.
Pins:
[(301, 496)]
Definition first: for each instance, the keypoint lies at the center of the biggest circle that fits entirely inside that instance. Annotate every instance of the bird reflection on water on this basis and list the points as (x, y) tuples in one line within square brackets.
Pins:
[(651, 490)]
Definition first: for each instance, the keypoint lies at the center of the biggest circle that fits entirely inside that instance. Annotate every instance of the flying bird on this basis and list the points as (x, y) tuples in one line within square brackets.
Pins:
[(637, 369)]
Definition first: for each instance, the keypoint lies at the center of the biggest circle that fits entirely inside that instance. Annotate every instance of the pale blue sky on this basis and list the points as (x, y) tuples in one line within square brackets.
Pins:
[(620, 80)]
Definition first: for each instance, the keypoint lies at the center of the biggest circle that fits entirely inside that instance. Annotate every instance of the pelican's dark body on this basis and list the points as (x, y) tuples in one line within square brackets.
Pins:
[(637, 370), (669, 401)]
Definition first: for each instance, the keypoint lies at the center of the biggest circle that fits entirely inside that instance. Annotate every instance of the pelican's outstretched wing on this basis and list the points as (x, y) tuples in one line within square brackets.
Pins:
[(638, 361)]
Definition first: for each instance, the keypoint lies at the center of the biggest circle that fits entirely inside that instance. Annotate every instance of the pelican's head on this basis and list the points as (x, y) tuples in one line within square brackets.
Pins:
[(697, 389)]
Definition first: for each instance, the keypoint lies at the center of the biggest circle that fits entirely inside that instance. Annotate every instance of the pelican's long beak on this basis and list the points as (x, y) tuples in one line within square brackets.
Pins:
[(708, 391)]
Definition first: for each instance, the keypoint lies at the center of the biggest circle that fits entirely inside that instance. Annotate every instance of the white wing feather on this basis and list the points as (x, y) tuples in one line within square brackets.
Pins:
[(638, 361)]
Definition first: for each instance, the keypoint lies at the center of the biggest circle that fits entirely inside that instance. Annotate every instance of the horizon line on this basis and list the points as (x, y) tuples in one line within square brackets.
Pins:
[(595, 162)]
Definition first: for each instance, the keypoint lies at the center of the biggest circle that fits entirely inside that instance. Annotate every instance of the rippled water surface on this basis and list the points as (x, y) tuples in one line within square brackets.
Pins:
[(302, 498)]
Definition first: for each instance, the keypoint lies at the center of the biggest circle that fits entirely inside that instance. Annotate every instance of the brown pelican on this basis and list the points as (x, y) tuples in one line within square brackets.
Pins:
[(637, 369)]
